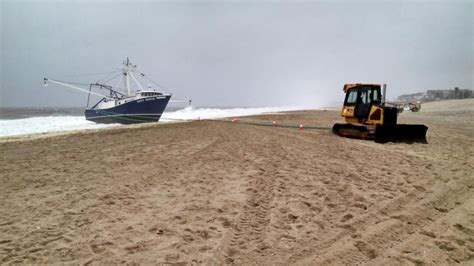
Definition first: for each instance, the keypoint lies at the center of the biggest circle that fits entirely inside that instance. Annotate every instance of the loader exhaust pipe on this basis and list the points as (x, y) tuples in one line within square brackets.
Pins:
[(384, 92)]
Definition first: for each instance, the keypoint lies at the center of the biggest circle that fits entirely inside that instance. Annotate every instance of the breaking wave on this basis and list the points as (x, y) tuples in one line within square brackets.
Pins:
[(44, 124), (192, 113)]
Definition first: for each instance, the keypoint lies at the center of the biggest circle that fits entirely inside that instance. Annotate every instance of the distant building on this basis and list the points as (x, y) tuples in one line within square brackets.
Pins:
[(412, 97), (436, 95)]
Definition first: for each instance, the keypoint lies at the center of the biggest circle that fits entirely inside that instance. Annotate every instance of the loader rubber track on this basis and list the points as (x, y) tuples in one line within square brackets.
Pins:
[(383, 133)]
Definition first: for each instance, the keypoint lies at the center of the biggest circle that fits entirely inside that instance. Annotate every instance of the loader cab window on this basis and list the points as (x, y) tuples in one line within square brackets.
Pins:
[(364, 97), (374, 96), (368, 95), (351, 97)]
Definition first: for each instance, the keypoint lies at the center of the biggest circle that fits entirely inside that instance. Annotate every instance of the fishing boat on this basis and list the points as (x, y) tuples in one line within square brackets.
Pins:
[(130, 105)]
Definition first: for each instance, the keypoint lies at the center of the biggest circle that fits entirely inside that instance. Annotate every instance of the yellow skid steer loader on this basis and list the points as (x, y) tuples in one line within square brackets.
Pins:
[(368, 116)]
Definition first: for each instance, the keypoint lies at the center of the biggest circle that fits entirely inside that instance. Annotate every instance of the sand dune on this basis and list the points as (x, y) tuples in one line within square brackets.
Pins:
[(220, 193), (449, 105)]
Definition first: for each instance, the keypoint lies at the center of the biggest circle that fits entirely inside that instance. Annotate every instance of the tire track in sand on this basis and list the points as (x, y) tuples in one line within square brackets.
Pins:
[(247, 235)]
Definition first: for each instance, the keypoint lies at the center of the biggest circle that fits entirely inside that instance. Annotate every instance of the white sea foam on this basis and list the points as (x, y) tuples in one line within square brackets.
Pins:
[(43, 124), (192, 113)]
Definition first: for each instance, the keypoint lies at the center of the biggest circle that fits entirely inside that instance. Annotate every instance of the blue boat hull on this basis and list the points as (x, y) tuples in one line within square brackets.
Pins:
[(133, 112)]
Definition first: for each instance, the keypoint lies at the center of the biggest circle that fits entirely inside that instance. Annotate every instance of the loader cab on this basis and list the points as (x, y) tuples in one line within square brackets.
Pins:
[(360, 98)]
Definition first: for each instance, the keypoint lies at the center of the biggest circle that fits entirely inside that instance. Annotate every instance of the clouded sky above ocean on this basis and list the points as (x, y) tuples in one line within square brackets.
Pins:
[(237, 53)]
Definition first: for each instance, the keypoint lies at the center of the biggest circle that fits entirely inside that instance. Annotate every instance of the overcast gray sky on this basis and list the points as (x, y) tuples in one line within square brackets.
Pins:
[(239, 53)]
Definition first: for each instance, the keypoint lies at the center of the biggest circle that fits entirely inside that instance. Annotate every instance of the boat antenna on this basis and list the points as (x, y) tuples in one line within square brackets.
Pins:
[(126, 76)]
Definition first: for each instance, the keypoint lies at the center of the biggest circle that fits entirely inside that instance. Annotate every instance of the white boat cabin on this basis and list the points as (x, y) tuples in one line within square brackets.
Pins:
[(109, 103)]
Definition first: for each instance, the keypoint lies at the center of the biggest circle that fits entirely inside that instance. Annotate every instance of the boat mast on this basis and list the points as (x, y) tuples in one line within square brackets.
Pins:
[(126, 76)]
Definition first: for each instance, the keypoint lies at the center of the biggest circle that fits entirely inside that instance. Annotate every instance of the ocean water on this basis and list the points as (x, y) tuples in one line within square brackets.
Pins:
[(20, 121)]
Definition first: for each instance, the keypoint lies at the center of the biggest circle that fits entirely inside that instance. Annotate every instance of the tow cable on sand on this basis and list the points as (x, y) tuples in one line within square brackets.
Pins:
[(273, 123)]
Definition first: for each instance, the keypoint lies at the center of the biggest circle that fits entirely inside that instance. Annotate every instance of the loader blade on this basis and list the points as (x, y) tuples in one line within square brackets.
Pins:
[(401, 133)]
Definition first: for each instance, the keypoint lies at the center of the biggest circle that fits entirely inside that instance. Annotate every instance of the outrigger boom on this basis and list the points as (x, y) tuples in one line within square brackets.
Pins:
[(46, 80)]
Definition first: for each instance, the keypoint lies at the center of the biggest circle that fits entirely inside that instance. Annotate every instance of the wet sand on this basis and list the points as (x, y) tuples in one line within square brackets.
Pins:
[(215, 192)]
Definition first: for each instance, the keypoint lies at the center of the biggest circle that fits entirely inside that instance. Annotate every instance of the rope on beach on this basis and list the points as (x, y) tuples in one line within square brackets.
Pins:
[(254, 123), (273, 124), (257, 123)]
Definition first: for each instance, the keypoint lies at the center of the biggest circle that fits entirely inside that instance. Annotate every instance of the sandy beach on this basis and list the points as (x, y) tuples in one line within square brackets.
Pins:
[(210, 192)]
